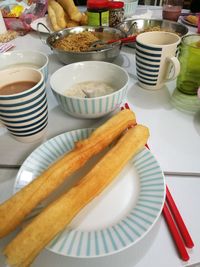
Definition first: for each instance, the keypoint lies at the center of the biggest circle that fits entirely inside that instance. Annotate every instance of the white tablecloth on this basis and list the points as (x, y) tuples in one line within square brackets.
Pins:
[(174, 141)]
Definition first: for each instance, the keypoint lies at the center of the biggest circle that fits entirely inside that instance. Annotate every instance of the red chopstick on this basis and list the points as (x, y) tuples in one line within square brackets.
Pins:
[(179, 220), (175, 233), (175, 222), (129, 39)]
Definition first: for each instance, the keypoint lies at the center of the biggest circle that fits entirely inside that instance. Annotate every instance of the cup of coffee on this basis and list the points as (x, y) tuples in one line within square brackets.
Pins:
[(156, 61), (23, 103)]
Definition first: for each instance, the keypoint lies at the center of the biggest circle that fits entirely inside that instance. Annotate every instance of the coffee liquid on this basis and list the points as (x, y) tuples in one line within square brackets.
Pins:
[(16, 87)]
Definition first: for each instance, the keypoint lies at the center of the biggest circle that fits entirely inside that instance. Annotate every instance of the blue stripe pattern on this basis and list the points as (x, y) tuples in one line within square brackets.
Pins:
[(147, 63), (127, 230), (93, 107), (27, 116), (148, 47), (25, 94)]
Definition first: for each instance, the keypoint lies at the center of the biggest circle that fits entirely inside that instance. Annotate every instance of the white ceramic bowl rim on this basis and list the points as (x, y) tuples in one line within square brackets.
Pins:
[(26, 52), (87, 63)]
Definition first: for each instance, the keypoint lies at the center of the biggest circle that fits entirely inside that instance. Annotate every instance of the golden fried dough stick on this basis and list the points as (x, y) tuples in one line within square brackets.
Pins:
[(52, 18), (71, 9), (59, 13), (34, 237), (15, 209), (84, 19)]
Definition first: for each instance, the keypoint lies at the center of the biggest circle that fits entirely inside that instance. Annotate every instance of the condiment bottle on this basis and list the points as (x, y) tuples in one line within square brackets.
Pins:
[(116, 13), (98, 12)]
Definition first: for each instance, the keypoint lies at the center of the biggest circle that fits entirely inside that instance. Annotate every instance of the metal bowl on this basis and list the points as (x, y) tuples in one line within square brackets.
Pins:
[(133, 27), (103, 33)]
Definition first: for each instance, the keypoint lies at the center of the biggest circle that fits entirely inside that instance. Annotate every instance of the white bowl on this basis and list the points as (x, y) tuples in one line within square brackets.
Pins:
[(25, 58), (69, 75)]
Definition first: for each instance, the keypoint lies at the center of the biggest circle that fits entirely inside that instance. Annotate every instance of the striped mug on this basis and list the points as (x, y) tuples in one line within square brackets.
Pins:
[(23, 103), (156, 61)]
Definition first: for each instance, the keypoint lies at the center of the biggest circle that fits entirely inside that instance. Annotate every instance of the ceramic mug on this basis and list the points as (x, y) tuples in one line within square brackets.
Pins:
[(23, 103), (156, 58), (25, 58)]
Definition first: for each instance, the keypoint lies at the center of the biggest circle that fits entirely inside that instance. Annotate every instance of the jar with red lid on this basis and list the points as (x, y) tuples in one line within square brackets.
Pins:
[(116, 13), (98, 12)]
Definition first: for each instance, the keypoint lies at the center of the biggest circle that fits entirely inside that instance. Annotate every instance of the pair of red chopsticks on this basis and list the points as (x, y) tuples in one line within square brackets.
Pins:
[(175, 222)]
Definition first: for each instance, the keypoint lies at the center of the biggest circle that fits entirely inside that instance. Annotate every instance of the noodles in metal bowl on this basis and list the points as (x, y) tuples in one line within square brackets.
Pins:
[(137, 26), (109, 53)]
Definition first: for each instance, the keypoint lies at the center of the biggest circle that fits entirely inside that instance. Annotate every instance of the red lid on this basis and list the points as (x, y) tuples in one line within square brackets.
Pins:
[(97, 3), (115, 4)]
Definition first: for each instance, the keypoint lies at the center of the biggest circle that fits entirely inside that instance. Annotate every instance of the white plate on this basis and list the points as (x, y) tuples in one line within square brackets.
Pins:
[(185, 21), (41, 29), (121, 216)]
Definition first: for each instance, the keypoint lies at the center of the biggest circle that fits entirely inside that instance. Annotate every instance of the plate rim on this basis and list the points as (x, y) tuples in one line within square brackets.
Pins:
[(41, 19), (183, 19), (49, 247)]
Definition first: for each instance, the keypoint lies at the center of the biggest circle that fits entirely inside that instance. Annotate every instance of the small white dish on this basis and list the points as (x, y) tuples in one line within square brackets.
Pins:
[(185, 21)]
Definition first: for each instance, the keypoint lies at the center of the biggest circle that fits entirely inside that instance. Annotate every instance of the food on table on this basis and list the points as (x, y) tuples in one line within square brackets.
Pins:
[(8, 36), (57, 15), (22, 250), (89, 89), (192, 19), (71, 9), (64, 14), (158, 28), (76, 42), (14, 210)]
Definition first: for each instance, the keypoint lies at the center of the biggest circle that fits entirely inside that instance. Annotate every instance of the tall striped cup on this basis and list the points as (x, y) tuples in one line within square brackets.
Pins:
[(23, 103), (156, 61)]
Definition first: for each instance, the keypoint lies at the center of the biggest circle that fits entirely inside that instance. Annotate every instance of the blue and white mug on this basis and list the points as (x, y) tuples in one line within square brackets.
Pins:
[(156, 61), (23, 103)]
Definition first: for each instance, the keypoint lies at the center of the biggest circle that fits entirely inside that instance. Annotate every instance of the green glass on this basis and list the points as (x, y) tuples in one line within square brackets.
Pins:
[(188, 80)]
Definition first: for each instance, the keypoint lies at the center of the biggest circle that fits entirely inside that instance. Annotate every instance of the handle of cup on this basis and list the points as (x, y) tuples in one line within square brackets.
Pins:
[(176, 67)]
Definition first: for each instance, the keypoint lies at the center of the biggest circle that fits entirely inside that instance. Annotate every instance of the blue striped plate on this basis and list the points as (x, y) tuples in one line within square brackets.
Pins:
[(115, 220)]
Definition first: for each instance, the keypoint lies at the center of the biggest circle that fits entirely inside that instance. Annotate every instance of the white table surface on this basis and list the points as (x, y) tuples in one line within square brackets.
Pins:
[(174, 140)]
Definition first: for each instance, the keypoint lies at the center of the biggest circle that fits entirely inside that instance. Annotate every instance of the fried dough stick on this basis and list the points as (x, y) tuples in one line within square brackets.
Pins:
[(71, 9), (57, 15), (34, 237), (15, 209)]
